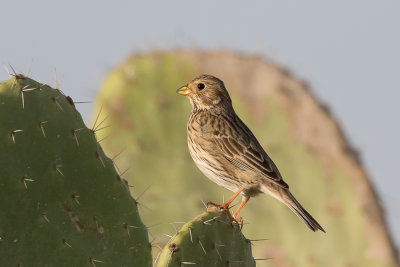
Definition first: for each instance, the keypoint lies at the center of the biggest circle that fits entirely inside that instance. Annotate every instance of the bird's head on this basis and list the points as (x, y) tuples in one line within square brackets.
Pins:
[(206, 92)]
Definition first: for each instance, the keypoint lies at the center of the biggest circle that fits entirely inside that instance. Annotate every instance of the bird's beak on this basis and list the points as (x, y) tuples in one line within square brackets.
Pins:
[(184, 90)]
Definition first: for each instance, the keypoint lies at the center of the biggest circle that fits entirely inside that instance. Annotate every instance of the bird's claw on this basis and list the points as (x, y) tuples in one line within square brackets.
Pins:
[(214, 206), (225, 208)]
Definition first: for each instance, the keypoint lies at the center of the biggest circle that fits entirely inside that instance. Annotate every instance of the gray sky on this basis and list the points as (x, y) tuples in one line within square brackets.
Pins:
[(347, 50)]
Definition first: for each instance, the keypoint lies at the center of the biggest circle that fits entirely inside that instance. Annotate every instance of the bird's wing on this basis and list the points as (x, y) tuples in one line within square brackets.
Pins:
[(240, 147)]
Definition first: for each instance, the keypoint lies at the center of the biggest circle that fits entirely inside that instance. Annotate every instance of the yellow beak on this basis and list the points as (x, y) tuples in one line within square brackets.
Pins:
[(184, 90)]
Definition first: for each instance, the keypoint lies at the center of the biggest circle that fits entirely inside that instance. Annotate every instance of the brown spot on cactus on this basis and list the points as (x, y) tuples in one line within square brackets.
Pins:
[(173, 247)]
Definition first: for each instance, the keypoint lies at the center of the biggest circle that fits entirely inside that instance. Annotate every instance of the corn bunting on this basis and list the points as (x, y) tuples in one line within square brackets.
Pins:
[(227, 152)]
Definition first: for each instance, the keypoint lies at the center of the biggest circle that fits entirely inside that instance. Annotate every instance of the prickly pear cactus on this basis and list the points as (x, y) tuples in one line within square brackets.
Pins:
[(208, 240), (62, 202)]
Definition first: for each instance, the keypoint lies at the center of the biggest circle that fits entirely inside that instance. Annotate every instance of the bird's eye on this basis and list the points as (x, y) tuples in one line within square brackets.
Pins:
[(201, 86)]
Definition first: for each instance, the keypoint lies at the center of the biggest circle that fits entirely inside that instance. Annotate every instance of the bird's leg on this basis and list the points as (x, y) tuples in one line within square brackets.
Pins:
[(225, 205), (244, 201)]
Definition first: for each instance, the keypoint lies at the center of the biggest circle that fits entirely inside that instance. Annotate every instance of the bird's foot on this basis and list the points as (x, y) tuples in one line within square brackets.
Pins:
[(214, 206), (225, 208)]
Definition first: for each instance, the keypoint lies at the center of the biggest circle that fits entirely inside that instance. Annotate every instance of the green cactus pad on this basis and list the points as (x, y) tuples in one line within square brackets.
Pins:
[(208, 240), (62, 202)]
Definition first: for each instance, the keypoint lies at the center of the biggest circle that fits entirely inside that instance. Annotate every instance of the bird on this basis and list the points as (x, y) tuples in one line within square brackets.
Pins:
[(227, 152)]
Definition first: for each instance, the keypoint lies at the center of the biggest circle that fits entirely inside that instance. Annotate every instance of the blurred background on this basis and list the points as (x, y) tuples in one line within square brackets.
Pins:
[(315, 81)]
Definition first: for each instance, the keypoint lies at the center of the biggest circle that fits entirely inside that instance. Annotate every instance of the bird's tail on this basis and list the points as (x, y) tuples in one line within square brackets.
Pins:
[(289, 200)]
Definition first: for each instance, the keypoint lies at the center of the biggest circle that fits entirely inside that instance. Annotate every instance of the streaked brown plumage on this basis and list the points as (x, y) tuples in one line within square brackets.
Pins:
[(228, 153)]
